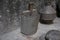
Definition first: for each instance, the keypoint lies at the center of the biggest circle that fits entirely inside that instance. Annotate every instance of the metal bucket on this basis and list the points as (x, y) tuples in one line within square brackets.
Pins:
[(29, 22)]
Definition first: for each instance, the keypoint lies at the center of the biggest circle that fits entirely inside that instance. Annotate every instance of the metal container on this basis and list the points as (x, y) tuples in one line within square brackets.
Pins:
[(48, 14), (29, 21), (52, 35)]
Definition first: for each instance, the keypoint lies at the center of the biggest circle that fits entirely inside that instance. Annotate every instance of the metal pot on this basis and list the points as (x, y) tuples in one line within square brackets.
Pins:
[(48, 14), (52, 35)]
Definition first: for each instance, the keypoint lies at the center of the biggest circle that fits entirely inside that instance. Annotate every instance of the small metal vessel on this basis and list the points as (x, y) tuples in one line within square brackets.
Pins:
[(48, 14)]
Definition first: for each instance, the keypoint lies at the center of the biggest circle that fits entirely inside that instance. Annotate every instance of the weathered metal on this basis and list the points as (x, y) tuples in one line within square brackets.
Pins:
[(48, 14), (29, 21)]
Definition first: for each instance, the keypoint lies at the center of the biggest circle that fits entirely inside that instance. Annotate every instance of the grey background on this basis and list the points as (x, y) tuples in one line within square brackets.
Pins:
[(10, 19)]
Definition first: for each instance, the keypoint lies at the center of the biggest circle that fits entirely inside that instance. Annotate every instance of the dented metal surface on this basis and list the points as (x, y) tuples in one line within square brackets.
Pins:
[(29, 22)]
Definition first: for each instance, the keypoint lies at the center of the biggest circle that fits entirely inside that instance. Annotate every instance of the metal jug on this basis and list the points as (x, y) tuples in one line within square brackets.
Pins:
[(29, 20)]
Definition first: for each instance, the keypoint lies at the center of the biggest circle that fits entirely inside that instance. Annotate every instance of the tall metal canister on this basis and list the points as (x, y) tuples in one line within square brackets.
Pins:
[(29, 20)]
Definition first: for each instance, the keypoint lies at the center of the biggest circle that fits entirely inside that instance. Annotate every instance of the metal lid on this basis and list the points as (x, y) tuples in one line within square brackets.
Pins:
[(48, 10), (53, 35)]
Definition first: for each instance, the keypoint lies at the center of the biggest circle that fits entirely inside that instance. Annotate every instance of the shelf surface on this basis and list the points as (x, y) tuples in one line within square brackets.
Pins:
[(42, 29)]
